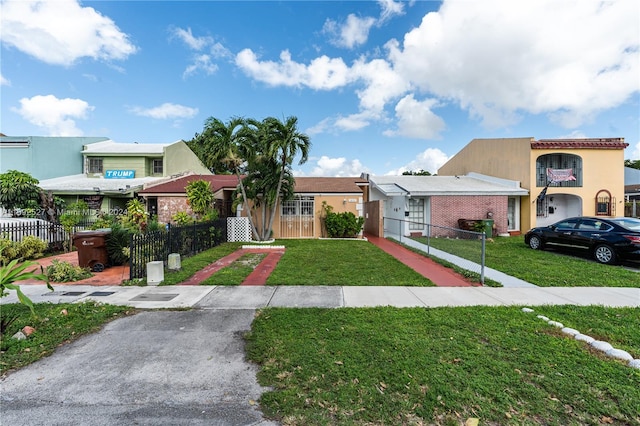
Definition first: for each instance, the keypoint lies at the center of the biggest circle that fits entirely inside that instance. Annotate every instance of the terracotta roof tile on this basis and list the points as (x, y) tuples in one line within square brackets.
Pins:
[(329, 184), (303, 184), (177, 186), (593, 143)]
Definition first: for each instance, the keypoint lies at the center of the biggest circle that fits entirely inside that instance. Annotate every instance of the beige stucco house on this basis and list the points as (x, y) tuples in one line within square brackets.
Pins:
[(581, 176), (300, 217)]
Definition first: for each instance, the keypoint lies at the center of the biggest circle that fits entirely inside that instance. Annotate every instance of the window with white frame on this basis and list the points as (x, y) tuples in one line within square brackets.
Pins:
[(95, 165), (157, 166)]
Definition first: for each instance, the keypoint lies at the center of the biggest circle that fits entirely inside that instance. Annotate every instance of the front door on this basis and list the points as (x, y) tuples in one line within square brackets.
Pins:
[(297, 218)]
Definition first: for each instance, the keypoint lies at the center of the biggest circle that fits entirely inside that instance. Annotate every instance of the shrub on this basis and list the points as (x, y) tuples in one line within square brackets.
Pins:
[(117, 244), (341, 225), (64, 272), (182, 218), (31, 247), (8, 250)]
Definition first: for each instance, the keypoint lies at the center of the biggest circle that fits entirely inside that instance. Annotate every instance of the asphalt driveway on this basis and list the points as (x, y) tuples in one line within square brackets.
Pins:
[(153, 368)]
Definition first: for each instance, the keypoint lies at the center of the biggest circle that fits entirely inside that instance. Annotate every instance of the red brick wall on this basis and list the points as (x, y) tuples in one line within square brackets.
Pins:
[(168, 206), (446, 210)]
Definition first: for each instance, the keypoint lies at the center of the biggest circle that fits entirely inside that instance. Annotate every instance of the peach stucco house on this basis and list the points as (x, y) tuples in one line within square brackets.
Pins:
[(300, 217)]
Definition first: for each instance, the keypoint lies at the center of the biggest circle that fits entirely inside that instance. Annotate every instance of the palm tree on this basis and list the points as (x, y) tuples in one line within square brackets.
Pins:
[(228, 144), (282, 143)]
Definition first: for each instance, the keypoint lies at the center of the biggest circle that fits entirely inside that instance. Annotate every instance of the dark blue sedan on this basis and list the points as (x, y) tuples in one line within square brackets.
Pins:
[(606, 239)]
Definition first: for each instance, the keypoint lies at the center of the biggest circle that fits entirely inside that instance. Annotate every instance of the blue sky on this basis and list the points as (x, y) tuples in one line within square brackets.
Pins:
[(379, 86)]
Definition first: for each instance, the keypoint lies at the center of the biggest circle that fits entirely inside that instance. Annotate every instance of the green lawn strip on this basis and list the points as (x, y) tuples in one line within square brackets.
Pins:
[(543, 268), (341, 262), (53, 328), (236, 272), (439, 366), (191, 265)]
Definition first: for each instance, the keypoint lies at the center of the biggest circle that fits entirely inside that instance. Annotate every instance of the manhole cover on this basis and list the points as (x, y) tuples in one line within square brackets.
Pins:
[(54, 293), (73, 293), (151, 297), (102, 293)]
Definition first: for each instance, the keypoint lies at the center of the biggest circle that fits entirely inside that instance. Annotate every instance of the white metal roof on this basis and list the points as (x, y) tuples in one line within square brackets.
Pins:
[(79, 184), (111, 147), (472, 184)]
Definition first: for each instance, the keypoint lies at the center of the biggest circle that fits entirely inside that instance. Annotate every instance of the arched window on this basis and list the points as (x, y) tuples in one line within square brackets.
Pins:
[(605, 203), (567, 166)]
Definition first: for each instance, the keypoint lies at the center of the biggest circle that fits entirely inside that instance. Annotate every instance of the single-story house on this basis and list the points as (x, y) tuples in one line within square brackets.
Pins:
[(300, 217), (411, 203)]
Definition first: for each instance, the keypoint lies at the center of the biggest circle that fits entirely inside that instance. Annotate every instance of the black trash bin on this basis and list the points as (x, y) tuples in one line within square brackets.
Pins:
[(92, 249)]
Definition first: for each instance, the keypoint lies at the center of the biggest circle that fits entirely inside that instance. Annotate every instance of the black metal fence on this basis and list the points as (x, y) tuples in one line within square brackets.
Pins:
[(184, 240)]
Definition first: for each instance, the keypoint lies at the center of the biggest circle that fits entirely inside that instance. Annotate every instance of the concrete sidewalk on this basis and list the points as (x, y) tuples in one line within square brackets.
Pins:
[(255, 297)]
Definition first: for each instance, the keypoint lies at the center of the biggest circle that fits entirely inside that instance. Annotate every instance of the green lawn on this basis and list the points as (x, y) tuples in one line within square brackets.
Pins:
[(542, 268), (339, 262), (441, 366), (310, 262), (55, 324)]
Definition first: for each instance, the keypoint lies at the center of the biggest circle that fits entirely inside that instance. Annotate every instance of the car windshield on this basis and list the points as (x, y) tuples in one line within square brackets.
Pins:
[(627, 222)]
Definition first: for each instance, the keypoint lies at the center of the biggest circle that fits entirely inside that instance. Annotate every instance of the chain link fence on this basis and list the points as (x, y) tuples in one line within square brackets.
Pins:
[(465, 249)]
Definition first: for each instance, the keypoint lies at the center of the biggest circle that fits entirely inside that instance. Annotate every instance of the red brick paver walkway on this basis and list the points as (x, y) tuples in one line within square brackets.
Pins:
[(110, 276), (440, 275), (257, 277)]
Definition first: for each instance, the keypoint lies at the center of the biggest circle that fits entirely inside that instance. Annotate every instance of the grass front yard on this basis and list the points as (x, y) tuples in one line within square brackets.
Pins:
[(412, 366), (311, 262), (442, 366), (542, 268)]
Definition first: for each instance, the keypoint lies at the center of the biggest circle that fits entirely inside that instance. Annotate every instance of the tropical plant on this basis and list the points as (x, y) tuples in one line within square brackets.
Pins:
[(18, 190), (200, 197), (341, 225), (73, 215), (182, 218), (118, 244), (14, 271), (31, 247), (282, 142), (64, 272), (231, 145), (137, 217)]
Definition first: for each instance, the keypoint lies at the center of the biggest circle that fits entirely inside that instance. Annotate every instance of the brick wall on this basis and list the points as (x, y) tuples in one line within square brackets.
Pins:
[(168, 206), (446, 210)]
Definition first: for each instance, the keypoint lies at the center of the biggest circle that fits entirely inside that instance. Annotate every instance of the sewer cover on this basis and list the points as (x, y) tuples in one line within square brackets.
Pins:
[(73, 293), (151, 297), (54, 293), (102, 293)]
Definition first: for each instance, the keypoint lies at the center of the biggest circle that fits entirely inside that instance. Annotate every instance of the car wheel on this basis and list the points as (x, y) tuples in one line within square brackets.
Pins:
[(535, 242), (604, 254)]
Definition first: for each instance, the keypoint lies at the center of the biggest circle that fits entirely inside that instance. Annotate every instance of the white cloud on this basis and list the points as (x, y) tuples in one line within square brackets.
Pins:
[(354, 32), (194, 43), (430, 160), (166, 111), (381, 84), (327, 166), (200, 62), (57, 116), (635, 153), (4, 81), (61, 32), (390, 8), (498, 58), (322, 73), (416, 120)]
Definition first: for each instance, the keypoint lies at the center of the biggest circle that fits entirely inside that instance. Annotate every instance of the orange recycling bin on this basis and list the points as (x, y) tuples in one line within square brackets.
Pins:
[(92, 249)]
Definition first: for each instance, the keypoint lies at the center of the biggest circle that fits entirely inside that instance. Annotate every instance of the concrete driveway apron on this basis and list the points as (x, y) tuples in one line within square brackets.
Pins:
[(153, 368)]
